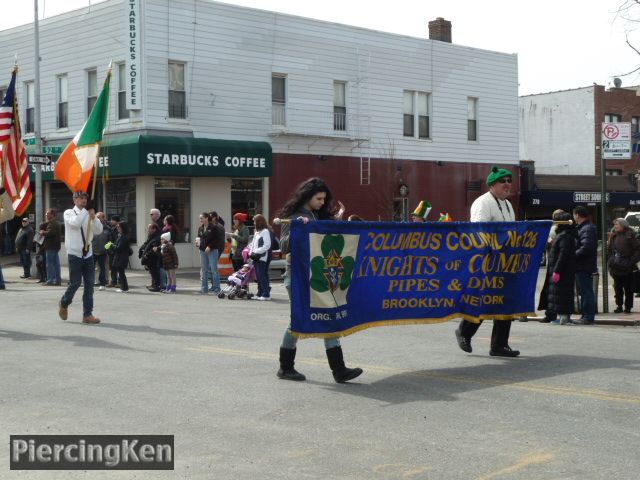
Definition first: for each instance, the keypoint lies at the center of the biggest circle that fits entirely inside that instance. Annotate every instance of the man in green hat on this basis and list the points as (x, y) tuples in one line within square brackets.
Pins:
[(421, 212), (492, 206)]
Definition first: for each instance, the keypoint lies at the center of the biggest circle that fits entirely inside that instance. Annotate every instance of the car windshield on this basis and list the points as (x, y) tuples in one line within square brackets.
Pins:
[(633, 219)]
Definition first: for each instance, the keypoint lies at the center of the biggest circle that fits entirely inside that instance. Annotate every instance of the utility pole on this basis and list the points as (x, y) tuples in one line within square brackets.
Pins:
[(38, 139)]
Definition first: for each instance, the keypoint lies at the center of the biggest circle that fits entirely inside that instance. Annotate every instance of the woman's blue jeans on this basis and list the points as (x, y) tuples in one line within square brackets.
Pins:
[(209, 266)]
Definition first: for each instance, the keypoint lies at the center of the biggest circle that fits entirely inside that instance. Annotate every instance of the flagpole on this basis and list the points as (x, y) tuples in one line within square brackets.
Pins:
[(38, 139)]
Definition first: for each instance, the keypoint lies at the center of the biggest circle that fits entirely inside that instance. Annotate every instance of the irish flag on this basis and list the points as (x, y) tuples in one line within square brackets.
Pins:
[(75, 165)]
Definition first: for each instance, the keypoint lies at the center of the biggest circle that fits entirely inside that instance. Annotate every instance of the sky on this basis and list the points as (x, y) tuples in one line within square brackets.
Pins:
[(561, 44)]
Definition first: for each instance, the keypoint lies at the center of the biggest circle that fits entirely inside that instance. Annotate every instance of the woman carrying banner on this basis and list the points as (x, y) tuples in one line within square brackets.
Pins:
[(312, 200)]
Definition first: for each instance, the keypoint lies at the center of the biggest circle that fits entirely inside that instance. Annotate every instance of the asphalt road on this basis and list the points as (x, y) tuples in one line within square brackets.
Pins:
[(203, 369)]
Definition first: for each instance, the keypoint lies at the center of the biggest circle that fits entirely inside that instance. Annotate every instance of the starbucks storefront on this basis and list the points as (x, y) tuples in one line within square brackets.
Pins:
[(181, 176)]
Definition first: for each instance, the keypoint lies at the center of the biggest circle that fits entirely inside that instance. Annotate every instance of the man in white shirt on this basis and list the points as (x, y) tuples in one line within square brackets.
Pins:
[(492, 206), (80, 225)]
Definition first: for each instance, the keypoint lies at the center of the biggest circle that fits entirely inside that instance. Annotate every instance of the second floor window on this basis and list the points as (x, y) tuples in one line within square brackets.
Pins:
[(278, 100), (29, 120), (635, 124), (472, 119), (92, 89), (339, 106), (177, 92), (416, 114), (63, 105), (123, 113), (611, 118)]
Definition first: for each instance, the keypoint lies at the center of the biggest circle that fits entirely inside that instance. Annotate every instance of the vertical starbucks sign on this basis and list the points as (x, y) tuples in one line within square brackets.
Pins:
[(133, 41)]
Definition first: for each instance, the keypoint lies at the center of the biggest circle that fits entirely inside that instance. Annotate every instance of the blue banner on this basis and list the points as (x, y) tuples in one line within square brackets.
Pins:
[(348, 276)]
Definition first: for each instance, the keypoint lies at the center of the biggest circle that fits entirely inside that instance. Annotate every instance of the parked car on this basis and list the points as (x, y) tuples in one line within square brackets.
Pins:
[(634, 220)]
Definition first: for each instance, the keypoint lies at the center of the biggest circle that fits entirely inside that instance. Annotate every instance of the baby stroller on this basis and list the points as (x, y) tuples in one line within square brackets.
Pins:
[(238, 283)]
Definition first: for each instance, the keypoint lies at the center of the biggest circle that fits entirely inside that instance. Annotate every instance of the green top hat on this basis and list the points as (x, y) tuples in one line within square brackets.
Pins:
[(422, 210)]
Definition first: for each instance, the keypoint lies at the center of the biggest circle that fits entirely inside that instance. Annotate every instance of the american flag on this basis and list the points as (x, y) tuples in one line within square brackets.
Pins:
[(15, 171)]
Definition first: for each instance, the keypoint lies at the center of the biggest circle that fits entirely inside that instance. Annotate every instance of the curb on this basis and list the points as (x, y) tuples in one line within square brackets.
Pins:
[(602, 321)]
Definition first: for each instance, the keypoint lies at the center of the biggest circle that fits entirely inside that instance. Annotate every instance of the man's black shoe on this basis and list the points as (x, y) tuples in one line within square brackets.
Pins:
[(618, 310), (582, 321), (463, 343), (504, 352)]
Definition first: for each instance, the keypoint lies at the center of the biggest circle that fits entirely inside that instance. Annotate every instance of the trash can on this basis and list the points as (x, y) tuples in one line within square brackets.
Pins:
[(596, 281)]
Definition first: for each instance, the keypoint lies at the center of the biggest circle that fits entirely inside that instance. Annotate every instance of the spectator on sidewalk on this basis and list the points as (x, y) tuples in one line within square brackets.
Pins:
[(113, 236), (150, 256), (586, 265), (52, 241), (24, 246), (100, 252), (561, 269), (121, 253), (624, 253), (156, 217)]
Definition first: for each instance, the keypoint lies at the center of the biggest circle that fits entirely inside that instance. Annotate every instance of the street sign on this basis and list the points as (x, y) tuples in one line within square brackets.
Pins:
[(39, 159), (616, 140), (56, 150)]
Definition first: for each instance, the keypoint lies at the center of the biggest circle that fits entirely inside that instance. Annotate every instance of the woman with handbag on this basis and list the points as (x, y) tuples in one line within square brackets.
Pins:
[(259, 253), (624, 253), (121, 253)]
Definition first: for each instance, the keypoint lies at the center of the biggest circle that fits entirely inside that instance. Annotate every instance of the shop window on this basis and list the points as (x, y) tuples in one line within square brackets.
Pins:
[(173, 197), (121, 200), (246, 197)]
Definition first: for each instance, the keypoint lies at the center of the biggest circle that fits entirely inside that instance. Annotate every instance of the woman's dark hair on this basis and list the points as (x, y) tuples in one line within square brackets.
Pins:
[(152, 226), (561, 216), (124, 226), (171, 222), (303, 193), (206, 215)]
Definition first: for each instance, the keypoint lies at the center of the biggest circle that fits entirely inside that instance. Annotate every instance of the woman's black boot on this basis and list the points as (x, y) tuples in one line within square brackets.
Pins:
[(341, 373), (287, 372)]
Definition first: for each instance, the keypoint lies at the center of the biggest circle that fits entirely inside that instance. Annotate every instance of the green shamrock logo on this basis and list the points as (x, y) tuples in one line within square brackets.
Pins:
[(331, 271)]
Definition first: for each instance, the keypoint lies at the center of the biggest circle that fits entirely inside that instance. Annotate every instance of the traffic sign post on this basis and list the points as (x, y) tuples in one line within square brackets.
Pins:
[(39, 159)]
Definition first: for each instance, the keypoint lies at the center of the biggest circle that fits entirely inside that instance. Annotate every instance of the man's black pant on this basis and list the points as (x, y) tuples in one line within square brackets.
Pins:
[(499, 334)]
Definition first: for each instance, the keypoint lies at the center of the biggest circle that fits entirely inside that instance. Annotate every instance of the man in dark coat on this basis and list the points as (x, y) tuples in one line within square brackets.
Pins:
[(24, 245), (52, 242), (586, 265)]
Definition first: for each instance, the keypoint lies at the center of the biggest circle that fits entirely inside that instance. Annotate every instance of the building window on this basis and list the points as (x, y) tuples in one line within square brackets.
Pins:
[(29, 120), (611, 118), (177, 93), (173, 198), (416, 107), (339, 106), (246, 197), (278, 100), (472, 119), (123, 113), (635, 124), (63, 105), (92, 89)]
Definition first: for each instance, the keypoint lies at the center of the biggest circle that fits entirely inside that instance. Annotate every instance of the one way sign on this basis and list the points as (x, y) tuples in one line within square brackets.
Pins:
[(39, 159)]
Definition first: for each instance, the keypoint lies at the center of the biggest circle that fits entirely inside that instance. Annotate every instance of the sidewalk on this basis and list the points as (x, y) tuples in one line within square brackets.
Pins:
[(190, 278)]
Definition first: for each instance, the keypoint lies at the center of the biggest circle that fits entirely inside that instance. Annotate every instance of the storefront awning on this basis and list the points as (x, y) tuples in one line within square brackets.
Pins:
[(154, 155)]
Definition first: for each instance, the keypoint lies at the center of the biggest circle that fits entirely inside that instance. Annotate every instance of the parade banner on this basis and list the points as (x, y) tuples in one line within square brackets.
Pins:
[(349, 276)]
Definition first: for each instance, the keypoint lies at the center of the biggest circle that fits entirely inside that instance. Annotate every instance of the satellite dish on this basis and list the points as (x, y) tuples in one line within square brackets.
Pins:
[(617, 82)]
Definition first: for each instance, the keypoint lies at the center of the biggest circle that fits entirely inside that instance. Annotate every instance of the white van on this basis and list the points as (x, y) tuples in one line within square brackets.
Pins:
[(634, 220)]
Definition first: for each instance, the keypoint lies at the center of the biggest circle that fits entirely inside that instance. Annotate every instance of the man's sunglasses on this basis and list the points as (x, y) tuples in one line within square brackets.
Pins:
[(505, 180)]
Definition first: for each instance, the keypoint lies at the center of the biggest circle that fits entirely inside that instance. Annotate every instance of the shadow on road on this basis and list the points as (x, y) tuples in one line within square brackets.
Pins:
[(75, 340), (447, 383)]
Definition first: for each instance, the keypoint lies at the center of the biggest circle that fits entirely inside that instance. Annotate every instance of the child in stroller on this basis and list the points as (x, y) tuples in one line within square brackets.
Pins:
[(238, 283)]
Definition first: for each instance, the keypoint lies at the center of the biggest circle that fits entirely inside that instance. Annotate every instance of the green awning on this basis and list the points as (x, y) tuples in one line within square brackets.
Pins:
[(158, 156)]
